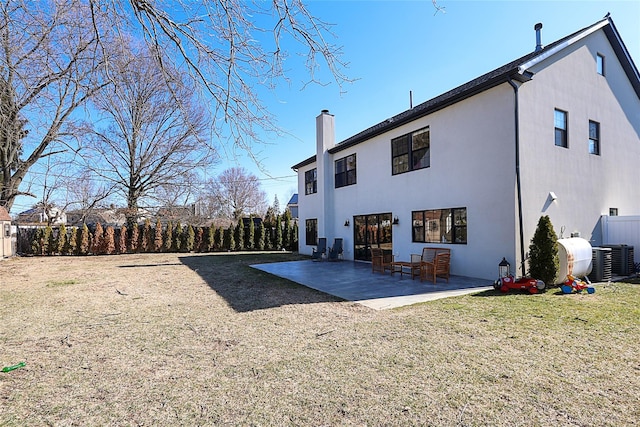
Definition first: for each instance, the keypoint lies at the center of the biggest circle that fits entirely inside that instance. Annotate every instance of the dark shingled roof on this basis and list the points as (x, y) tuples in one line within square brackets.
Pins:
[(486, 81)]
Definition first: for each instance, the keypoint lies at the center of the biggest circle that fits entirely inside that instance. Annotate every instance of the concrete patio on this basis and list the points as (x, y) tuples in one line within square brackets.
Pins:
[(354, 281)]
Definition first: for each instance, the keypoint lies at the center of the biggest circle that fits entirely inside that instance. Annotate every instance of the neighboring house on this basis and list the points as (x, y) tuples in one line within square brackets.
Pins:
[(6, 246), (105, 216), (293, 206), (38, 215), (555, 133)]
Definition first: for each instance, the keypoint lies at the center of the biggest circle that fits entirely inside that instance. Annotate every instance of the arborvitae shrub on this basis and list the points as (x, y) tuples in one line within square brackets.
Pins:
[(294, 237), (286, 233), (48, 240), (543, 253), (122, 240), (277, 244), (72, 242), (239, 236), (157, 239), (84, 241), (251, 235), (134, 238), (189, 238), (61, 240), (218, 241), (260, 237), (178, 238), (200, 244), (145, 236), (37, 242), (97, 245), (109, 241), (168, 238), (229, 242)]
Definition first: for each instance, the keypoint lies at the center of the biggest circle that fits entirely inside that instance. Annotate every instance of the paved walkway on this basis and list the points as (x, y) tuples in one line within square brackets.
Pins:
[(354, 281)]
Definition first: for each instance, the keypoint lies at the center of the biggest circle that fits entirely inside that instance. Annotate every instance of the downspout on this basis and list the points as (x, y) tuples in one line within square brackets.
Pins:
[(518, 185)]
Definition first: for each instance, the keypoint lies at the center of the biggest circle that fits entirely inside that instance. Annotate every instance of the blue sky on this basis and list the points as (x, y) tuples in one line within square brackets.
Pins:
[(394, 47)]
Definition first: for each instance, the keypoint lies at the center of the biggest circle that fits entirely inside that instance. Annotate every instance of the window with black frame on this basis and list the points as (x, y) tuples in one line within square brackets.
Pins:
[(311, 181), (440, 226), (345, 171), (311, 232), (411, 151)]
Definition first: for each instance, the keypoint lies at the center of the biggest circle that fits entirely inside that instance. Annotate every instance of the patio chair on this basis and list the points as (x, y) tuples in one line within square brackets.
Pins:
[(321, 250), (335, 252), (381, 260), (439, 267)]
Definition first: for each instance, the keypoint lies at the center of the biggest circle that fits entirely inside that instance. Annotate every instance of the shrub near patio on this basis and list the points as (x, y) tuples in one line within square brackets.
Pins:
[(203, 339)]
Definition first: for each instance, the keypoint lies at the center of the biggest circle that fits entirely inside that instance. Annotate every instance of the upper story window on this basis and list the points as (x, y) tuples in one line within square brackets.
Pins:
[(560, 123), (311, 181), (346, 171), (410, 152), (594, 137), (600, 64), (440, 226)]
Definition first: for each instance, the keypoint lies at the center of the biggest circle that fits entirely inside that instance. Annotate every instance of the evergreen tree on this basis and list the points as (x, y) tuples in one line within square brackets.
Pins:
[(37, 243), (109, 241), (61, 240), (157, 239), (211, 238), (168, 237), (260, 237), (277, 244), (200, 244), (543, 253), (84, 240), (146, 241), (178, 238), (218, 241), (251, 235), (48, 240), (286, 233), (229, 243), (122, 240), (294, 237), (97, 242), (189, 239), (239, 236), (72, 242), (134, 238)]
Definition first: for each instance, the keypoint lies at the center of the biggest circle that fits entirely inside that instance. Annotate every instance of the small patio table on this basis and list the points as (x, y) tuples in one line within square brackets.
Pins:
[(406, 267)]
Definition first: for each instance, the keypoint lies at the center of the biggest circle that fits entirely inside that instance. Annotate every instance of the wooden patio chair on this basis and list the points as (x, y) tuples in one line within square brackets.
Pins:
[(381, 260), (439, 267)]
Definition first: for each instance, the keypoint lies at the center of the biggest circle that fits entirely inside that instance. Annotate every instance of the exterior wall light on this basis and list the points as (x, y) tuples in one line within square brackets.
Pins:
[(504, 268), (395, 220), (346, 223)]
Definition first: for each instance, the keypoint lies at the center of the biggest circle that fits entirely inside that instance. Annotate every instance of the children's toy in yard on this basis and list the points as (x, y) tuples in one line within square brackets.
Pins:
[(531, 285), (574, 284)]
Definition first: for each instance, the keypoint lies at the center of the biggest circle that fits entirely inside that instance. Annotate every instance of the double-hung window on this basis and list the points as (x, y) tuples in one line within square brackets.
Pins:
[(411, 152), (600, 64), (345, 171), (594, 137), (311, 181), (560, 123)]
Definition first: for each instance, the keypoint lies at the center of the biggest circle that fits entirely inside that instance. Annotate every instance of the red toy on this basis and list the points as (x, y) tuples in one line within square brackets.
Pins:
[(574, 284), (505, 284)]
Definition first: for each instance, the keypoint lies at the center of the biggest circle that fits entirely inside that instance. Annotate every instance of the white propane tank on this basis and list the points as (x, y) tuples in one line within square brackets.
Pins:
[(575, 256)]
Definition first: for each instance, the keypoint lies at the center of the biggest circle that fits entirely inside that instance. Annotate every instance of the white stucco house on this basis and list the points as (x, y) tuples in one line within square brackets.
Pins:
[(556, 132)]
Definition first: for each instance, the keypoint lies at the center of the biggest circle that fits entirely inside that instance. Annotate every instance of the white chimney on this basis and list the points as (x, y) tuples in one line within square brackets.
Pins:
[(325, 139)]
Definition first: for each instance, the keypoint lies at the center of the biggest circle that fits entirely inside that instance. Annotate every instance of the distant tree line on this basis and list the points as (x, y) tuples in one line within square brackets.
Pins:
[(281, 234)]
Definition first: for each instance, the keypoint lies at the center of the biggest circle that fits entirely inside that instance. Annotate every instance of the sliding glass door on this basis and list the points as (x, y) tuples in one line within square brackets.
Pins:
[(371, 231)]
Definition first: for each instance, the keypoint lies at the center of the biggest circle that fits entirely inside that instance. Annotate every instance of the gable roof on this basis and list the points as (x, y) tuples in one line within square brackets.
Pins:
[(4, 215), (517, 70)]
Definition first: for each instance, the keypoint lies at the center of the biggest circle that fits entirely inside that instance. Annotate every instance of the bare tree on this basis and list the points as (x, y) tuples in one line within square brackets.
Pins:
[(236, 193), (50, 51), (48, 55), (154, 131)]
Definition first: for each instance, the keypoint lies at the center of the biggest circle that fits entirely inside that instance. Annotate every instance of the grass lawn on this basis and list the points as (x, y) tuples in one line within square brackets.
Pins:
[(166, 339)]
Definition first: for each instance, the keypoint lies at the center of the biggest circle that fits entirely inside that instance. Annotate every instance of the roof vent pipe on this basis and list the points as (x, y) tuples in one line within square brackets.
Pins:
[(538, 27)]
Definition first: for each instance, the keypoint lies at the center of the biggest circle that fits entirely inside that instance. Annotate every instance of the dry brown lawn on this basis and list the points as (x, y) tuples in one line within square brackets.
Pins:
[(170, 339)]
